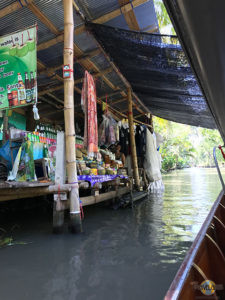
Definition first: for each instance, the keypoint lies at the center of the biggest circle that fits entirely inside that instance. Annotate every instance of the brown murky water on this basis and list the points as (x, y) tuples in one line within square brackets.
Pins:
[(122, 254)]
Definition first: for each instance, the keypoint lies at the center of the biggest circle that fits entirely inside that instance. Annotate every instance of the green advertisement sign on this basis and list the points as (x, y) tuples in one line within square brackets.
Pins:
[(18, 68)]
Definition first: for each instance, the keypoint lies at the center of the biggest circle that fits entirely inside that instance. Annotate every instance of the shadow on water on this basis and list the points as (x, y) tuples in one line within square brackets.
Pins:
[(121, 254)]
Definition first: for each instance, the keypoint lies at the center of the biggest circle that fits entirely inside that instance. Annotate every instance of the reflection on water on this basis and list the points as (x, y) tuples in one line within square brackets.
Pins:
[(121, 255)]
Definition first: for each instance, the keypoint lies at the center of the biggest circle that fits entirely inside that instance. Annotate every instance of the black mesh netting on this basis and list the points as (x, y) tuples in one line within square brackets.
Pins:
[(157, 69)]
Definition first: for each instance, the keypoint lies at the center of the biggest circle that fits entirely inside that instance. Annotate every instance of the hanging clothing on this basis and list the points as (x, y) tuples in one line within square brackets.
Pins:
[(152, 163), (124, 140), (107, 131), (140, 139), (88, 102)]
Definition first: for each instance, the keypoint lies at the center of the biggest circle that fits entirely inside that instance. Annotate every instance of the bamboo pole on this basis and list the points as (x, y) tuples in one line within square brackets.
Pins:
[(75, 220), (132, 138)]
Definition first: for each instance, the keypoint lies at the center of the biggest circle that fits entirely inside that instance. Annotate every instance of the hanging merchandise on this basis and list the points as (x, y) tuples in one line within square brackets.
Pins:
[(124, 137), (88, 102), (102, 131), (35, 111), (108, 130), (112, 135), (140, 139), (152, 164), (23, 168), (13, 174)]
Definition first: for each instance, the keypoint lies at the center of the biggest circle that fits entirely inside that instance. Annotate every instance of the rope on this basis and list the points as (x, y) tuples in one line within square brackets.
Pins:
[(21, 3), (131, 2), (59, 192)]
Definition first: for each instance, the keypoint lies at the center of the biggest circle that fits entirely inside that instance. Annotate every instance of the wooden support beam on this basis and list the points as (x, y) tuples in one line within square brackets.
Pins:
[(50, 43), (130, 16), (51, 74), (103, 19), (90, 66), (75, 220), (118, 100), (50, 102), (95, 75), (140, 115), (55, 98), (111, 15), (86, 63), (49, 113), (86, 55), (104, 196), (35, 10), (49, 90), (132, 139), (124, 80), (111, 94), (20, 110), (14, 7), (151, 28), (42, 66)]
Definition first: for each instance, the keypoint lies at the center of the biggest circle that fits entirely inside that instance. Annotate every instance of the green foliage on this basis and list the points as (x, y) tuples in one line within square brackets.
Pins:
[(165, 24), (186, 146)]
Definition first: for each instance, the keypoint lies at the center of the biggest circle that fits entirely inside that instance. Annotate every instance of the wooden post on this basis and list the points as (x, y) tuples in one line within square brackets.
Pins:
[(132, 138), (151, 123), (60, 178), (75, 220)]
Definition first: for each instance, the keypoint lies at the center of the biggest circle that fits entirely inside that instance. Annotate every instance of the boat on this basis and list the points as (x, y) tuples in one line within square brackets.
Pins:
[(205, 260), (200, 28)]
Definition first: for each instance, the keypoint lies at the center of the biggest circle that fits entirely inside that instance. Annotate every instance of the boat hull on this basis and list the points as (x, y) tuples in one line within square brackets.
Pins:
[(204, 261)]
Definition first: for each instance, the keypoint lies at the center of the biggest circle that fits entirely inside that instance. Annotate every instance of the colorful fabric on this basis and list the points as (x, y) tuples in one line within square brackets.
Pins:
[(99, 178), (88, 102)]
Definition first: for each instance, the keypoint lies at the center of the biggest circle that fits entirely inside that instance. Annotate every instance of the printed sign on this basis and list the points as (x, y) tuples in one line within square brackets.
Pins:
[(18, 68)]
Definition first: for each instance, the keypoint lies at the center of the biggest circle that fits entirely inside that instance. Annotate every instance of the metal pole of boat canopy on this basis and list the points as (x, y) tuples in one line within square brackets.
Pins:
[(132, 139), (75, 220)]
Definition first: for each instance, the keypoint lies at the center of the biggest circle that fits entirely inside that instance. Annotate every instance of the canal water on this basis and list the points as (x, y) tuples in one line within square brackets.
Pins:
[(121, 255)]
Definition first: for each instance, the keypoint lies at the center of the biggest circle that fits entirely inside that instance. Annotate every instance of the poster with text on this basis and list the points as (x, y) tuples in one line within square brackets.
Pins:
[(18, 68)]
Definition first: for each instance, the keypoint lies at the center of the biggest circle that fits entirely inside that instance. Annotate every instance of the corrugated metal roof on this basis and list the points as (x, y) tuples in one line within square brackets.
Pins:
[(102, 88), (146, 15), (85, 41), (52, 56), (51, 9), (4, 3), (100, 61), (21, 19), (93, 9), (119, 22), (113, 77)]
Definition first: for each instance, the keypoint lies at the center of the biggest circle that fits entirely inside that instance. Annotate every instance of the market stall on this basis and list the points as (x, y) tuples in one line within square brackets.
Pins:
[(103, 160), (103, 153)]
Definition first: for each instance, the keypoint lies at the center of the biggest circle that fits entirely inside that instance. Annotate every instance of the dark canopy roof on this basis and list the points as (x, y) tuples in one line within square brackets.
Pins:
[(200, 27), (157, 69)]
